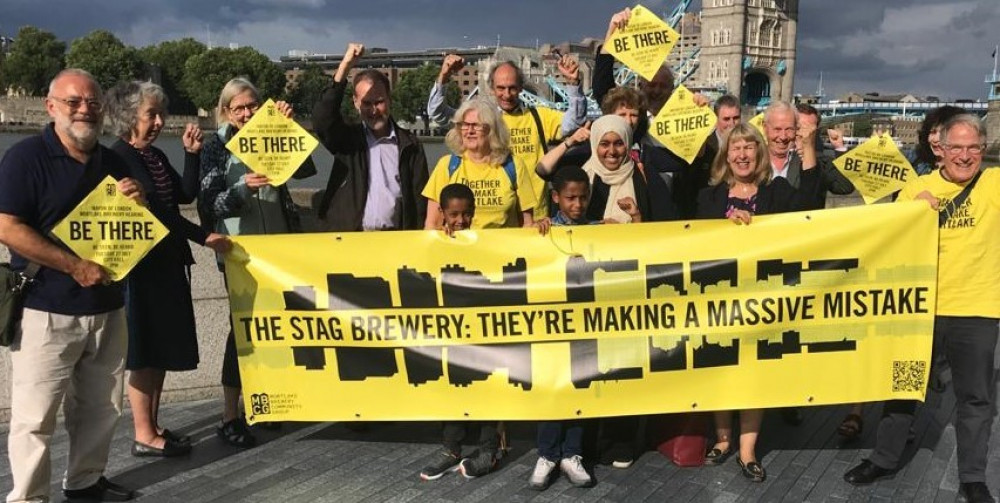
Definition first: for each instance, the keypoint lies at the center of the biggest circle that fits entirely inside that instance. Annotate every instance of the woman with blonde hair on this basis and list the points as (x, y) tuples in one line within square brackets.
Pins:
[(741, 186)]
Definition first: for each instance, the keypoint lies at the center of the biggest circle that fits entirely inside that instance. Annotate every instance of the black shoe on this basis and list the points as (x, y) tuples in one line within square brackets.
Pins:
[(716, 457), (866, 473), (791, 416), (170, 449), (752, 470), (976, 492), (478, 465), (444, 462), (103, 490), (178, 439)]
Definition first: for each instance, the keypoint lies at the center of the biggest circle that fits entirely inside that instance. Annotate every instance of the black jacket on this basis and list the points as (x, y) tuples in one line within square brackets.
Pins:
[(342, 207), (778, 196), (185, 190)]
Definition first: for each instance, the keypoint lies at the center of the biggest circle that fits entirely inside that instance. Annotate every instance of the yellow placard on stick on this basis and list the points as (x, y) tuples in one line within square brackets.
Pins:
[(643, 45), (876, 168), (110, 229), (682, 125), (758, 122), (272, 144)]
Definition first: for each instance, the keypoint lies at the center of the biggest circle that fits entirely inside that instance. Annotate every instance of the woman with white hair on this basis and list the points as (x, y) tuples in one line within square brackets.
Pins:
[(158, 303), (482, 160), (236, 201)]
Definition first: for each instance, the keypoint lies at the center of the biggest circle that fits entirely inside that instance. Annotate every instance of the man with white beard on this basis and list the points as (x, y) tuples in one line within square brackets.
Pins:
[(72, 337)]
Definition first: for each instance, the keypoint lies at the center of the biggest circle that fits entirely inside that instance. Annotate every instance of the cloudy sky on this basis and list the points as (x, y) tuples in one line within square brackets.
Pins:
[(924, 47)]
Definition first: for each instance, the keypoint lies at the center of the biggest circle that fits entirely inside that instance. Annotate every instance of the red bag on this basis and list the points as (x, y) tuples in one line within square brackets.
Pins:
[(681, 437)]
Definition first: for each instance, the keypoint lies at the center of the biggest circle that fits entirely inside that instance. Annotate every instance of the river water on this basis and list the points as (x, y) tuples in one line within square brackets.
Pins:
[(434, 148)]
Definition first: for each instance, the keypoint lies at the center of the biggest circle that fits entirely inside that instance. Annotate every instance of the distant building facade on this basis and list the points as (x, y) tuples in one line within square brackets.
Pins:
[(537, 64)]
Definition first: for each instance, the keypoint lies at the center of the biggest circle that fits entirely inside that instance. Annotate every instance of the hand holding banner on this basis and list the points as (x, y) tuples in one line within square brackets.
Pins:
[(272, 144), (110, 229), (876, 168), (758, 122), (682, 125), (643, 45)]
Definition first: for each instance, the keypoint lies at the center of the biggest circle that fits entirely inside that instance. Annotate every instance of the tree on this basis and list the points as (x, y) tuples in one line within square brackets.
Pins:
[(35, 57), (170, 57), (206, 73), (107, 58), (409, 98), (306, 89)]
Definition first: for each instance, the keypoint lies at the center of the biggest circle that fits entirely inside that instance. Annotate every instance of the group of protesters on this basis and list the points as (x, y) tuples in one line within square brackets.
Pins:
[(80, 330)]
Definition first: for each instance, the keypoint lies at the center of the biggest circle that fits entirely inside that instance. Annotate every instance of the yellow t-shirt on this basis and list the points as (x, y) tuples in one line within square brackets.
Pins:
[(498, 202), (525, 147), (969, 244)]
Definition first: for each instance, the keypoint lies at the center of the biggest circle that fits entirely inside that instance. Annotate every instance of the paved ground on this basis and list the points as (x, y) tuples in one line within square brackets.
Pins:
[(327, 462)]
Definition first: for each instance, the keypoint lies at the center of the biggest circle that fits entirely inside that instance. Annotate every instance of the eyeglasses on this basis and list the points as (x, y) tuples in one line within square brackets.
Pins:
[(251, 107), (475, 126), (75, 103), (958, 149)]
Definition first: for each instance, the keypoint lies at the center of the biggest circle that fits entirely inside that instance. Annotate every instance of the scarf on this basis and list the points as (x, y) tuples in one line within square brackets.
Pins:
[(619, 181)]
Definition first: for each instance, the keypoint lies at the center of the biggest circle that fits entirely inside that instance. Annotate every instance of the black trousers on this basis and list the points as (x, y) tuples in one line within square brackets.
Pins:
[(455, 431), (967, 344), (231, 364)]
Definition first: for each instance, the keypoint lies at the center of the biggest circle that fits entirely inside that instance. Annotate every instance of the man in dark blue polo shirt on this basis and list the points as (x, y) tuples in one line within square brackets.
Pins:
[(73, 336)]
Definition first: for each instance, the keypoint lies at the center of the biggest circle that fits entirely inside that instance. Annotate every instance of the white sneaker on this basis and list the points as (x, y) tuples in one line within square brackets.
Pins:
[(573, 468), (539, 478), (622, 463)]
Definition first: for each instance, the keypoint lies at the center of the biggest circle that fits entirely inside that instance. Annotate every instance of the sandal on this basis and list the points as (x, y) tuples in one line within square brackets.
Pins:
[(851, 427), (236, 433)]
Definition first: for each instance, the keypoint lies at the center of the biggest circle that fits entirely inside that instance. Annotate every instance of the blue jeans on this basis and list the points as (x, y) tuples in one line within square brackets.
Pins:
[(560, 439)]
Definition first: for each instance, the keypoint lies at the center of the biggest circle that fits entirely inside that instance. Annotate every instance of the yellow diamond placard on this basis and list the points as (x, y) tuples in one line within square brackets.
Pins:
[(110, 229), (682, 125), (876, 168), (272, 144), (643, 45), (758, 122)]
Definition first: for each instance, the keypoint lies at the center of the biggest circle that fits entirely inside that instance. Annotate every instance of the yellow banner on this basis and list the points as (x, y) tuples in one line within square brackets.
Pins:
[(272, 144), (110, 229), (643, 45), (797, 309), (876, 168), (682, 125)]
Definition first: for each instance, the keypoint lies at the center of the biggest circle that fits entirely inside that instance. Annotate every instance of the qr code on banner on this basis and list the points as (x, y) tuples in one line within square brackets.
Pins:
[(908, 375)]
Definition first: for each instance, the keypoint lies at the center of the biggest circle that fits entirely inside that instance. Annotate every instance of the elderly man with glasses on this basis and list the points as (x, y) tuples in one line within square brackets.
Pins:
[(967, 199), (70, 345)]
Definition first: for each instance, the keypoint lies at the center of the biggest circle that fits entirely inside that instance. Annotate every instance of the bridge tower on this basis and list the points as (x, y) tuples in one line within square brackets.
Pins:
[(992, 120), (748, 47)]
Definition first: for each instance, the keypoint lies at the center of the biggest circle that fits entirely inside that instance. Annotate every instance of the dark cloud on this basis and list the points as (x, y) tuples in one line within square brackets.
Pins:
[(938, 47)]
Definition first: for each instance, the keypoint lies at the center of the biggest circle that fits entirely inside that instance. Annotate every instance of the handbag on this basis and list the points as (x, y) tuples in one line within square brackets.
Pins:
[(12, 287), (681, 438)]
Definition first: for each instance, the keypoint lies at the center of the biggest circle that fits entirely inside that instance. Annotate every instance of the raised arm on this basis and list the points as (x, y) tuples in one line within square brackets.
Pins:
[(547, 164), (604, 63), (328, 122), (439, 111), (576, 114)]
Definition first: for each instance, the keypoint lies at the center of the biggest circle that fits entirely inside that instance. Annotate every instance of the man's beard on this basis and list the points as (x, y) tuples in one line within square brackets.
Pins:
[(83, 135)]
